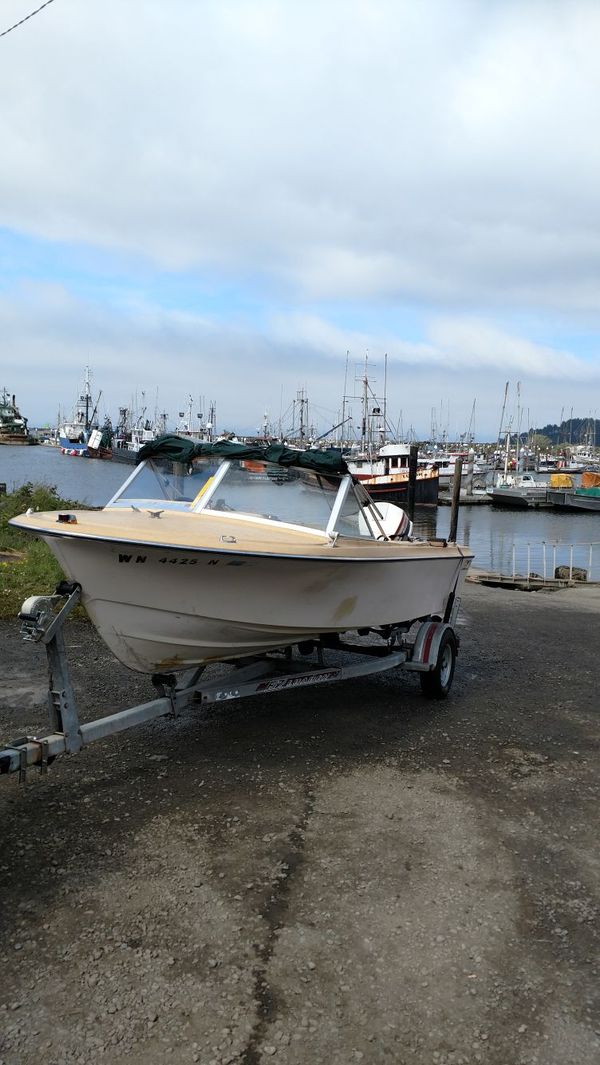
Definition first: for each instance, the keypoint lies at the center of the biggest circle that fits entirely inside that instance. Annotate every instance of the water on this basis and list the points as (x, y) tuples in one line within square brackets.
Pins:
[(91, 481), (521, 541), (499, 538)]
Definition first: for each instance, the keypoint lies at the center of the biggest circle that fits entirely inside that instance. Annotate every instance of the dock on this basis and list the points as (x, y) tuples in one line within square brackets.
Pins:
[(466, 499)]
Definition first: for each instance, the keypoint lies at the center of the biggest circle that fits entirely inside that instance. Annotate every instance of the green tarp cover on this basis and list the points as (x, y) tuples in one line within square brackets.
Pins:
[(180, 449)]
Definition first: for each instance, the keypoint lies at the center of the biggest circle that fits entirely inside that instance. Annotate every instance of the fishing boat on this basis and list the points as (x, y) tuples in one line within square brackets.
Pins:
[(133, 432), (74, 435), (518, 490), (13, 426), (385, 475), (199, 558), (382, 465)]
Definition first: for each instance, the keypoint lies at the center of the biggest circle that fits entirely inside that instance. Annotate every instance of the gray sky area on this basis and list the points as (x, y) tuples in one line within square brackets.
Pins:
[(222, 199)]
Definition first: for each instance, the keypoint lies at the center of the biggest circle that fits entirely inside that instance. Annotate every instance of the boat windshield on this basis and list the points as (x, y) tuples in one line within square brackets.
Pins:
[(288, 494), (170, 485), (265, 490)]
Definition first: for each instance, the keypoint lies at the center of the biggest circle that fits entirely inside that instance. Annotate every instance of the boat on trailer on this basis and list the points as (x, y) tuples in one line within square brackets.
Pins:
[(197, 558), (200, 558)]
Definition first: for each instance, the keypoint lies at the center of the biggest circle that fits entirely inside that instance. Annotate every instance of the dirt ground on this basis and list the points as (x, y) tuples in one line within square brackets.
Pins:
[(333, 875)]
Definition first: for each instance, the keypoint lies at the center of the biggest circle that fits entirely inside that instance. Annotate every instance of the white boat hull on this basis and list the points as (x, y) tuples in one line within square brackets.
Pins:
[(166, 609)]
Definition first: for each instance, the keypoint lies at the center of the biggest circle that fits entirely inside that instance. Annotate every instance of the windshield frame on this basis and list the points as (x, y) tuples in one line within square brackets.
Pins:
[(346, 488)]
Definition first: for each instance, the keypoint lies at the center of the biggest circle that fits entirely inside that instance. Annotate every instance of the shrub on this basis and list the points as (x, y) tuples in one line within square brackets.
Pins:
[(32, 570)]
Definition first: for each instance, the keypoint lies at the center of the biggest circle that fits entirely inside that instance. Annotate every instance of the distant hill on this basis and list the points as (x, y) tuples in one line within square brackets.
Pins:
[(572, 431)]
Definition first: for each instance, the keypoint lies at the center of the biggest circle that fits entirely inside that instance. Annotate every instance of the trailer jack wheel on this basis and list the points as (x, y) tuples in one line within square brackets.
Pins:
[(436, 683)]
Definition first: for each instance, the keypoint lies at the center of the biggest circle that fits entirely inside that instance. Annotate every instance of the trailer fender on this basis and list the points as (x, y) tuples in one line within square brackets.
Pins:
[(427, 645)]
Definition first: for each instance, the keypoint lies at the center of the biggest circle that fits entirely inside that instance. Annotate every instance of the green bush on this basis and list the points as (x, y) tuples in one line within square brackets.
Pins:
[(32, 570)]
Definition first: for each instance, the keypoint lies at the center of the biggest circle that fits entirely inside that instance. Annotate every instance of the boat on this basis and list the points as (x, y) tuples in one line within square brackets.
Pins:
[(585, 497), (518, 490), (132, 433), (197, 558), (446, 467), (579, 459), (13, 426), (383, 465), (385, 475), (126, 449), (74, 435), (100, 441)]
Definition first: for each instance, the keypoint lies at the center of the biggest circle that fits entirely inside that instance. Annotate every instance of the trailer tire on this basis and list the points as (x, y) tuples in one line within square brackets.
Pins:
[(436, 683)]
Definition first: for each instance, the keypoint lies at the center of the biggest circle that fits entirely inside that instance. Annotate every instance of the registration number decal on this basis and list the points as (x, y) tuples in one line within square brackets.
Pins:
[(182, 561)]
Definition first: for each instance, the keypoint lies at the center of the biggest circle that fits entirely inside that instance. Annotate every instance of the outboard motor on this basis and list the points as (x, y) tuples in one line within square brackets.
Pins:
[(388, 520), (405, 528)]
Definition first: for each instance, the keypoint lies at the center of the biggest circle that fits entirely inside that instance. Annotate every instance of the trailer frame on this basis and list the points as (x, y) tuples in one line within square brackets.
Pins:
[(427, 646)]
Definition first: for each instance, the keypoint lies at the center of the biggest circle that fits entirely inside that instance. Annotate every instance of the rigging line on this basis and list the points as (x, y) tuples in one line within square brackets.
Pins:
[(26, 19)]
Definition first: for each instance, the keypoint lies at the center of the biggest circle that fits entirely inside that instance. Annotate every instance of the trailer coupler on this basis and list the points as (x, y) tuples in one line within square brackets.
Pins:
[(42, 622)]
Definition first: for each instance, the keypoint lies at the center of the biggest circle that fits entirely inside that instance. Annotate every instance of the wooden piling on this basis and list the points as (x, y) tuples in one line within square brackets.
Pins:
[(412, 480), (455, 500)]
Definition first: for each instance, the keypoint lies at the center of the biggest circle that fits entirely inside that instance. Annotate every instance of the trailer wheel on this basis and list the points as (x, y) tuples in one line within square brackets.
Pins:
[(436, 683)]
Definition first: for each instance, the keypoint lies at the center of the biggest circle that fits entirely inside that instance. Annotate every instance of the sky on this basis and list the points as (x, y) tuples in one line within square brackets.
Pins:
[(241, 201)]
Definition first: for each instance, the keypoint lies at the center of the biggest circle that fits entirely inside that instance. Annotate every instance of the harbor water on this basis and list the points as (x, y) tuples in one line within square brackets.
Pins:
[(503, 540)]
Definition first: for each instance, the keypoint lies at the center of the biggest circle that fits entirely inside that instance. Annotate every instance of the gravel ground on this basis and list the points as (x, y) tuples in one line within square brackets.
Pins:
[(340, 874)]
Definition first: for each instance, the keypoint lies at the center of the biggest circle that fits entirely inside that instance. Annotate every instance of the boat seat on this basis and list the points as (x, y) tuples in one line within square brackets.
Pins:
[(392, 519)]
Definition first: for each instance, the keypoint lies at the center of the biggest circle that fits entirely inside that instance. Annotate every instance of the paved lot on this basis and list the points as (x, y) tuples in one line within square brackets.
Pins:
[(337, 875)]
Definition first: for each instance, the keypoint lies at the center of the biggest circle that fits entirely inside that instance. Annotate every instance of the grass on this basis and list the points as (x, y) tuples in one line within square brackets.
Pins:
[(31, 569)]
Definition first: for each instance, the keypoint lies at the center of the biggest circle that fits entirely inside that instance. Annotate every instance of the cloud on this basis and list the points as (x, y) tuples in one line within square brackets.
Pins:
[(472, 344), (222, 199), (136, 347), (439, 153)]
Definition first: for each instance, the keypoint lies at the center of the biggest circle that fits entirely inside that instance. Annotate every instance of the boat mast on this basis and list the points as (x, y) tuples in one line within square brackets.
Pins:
[(88, 395), (519, 415), (385, 363), (506, 453), (365, 407), (471, 425), (344, 397), (302, 402), (500, 430), (212, 420)]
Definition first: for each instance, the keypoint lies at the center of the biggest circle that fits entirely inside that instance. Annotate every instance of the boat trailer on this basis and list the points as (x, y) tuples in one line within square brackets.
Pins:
[(429, 646)]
